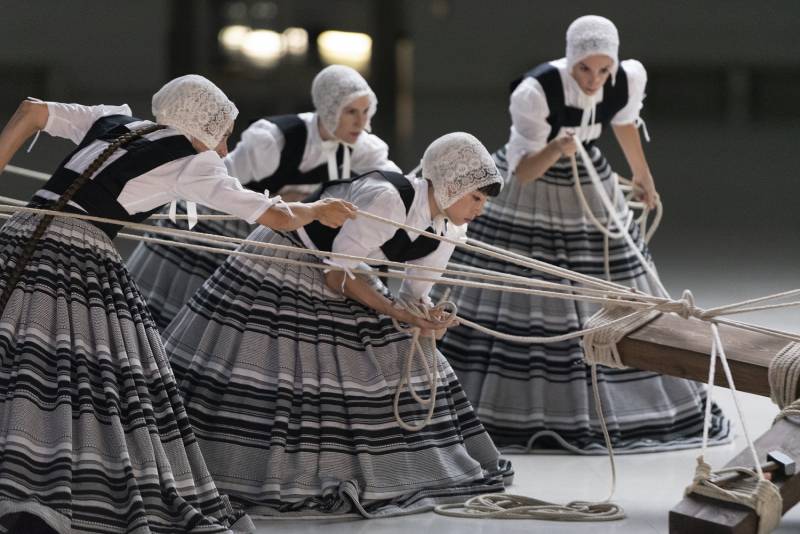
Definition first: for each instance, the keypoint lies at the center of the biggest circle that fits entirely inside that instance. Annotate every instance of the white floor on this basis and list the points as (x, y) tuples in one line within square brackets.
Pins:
[(648, 485)]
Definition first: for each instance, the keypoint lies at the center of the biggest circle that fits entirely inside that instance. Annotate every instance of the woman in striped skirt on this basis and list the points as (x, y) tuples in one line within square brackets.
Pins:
[(288, 372), (282, 154), (93, 433), (539, 395)]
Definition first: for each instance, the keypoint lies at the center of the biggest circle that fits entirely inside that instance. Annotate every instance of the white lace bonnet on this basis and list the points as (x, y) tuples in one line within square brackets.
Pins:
[(196, 107), (333, 88), (590, 35), (457, 164)]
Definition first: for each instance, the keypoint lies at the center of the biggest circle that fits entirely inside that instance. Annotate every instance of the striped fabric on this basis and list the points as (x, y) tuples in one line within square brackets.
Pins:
[(289, 389), (93, 434), (169, 276), (540, 396)]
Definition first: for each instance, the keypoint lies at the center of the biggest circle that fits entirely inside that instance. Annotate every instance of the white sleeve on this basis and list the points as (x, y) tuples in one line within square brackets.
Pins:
[(418, 289), (204, 180), (529, 126), (363, 237), (637, 81), (371, 153), (72, 121), (258, 154)]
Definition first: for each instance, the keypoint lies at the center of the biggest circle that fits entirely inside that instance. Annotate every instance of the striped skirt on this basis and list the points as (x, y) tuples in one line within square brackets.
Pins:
[(93, 434), (289, 388), (169, 276), (539, 395)]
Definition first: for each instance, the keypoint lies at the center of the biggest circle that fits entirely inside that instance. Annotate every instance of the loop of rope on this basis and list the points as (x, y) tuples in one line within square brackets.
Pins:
[(507, 506), (442, 311)]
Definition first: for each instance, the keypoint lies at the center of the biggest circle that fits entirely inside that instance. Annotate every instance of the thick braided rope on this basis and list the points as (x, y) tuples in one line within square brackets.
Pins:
[(30, 246), (784, 380)]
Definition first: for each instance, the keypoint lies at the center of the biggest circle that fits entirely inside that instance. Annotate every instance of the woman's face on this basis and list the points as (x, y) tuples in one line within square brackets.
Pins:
[(466, 208), (353, 120), (592, 72), (221, 148)]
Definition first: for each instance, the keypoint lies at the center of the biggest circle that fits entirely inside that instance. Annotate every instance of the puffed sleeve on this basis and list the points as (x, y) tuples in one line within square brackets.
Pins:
[(418, 289), (205, 180), (363, 237), (637, 81), (371, 153), (258, 153), (72, 121), (529, 126)]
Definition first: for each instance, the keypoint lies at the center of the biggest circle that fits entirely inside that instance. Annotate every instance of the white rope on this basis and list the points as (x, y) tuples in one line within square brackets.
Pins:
[(684, 307), (784, 380), (13, 169), (609, 205), (442, 311), (754, 490)]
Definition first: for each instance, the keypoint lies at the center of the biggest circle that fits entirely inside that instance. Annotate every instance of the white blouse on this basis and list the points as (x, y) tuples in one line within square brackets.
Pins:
[(200, 178), (258, 153), (529, 110), (364, 237)]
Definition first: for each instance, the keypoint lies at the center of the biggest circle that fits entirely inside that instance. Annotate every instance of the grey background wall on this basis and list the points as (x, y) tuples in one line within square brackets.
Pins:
[(721, 108)]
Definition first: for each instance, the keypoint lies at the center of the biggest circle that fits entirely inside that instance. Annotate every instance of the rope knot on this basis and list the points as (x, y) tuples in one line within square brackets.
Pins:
[(685, 307)]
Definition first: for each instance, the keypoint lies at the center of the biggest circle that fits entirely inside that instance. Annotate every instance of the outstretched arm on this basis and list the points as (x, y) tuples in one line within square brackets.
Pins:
[(628, 137), (29, 118), (331, 212)]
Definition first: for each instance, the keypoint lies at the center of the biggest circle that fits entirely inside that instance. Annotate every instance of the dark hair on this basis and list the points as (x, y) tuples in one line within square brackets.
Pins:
[(491, 190)]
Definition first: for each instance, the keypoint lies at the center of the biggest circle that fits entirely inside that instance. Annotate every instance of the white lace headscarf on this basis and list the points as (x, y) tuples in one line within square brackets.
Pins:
[(590, 35), (196, 107), (457, 164), (333, 88)]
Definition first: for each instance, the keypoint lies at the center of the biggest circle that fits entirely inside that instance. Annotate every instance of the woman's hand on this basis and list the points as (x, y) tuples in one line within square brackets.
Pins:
[(333, 212), (645, 188), (566, 144), (437, 325)]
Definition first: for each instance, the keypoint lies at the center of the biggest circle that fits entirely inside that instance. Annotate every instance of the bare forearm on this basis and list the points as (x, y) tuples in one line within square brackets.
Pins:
[(359, 290), (628, 138), (533, 166), (279, 218), (29, 117)]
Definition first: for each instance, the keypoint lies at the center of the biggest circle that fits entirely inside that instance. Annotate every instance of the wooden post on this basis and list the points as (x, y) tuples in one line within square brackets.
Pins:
[(678, 347)]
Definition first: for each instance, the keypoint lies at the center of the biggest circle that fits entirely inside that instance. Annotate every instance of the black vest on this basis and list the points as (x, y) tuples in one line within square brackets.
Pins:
[(615, 97), (99, 195), (295, 135), (399, 248)]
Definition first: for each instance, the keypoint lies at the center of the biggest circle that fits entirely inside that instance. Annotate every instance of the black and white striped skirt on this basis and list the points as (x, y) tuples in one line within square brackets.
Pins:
[(289, 388), (93, 434), (540, 395), (169, 276)]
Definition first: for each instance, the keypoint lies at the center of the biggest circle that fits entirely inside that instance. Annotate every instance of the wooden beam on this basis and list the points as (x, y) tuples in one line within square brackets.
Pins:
[(700, 515), (679, 347)]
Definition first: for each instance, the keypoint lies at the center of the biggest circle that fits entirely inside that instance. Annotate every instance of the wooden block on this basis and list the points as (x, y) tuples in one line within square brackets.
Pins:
[(696, 514)]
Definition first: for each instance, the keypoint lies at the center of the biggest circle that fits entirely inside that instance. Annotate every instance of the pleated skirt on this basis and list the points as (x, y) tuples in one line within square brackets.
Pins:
[(534, 396), (93, 434)]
